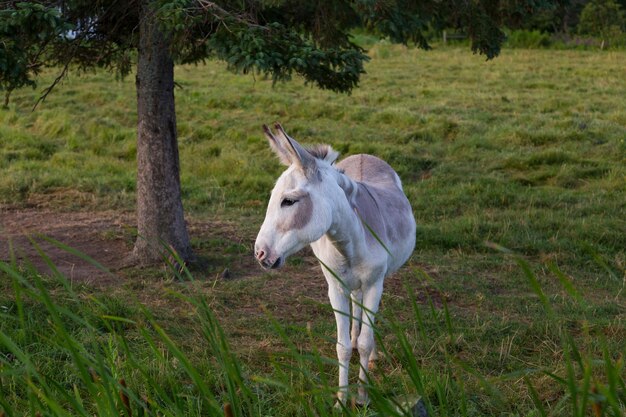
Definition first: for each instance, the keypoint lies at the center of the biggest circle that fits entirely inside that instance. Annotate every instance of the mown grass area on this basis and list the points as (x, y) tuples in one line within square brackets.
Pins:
[(527, 151)]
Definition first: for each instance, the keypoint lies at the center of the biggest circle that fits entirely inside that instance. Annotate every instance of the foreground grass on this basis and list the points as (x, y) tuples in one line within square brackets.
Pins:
[(527, 151), (68, 351)]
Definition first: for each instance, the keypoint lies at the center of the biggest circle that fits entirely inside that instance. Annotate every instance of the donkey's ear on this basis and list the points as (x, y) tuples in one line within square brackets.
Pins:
[(299, 155), (283, 155)]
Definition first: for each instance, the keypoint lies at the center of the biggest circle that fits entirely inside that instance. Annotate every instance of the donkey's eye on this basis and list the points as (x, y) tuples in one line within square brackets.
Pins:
[(288, 202)]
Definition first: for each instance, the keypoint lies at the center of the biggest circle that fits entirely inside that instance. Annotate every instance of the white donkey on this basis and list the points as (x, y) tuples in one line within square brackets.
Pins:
[(359, 224)]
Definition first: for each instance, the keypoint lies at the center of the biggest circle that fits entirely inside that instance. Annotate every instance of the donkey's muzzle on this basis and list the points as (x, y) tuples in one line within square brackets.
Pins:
[(268, 264), (272, 264), (266, 260), (277, 264)]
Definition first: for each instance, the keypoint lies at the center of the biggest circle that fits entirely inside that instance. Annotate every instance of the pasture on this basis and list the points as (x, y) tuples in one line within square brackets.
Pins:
[(526, 152)]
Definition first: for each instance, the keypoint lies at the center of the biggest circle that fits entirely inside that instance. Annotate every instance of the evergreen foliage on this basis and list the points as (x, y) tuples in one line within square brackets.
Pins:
[(277, 38), (26, 30)]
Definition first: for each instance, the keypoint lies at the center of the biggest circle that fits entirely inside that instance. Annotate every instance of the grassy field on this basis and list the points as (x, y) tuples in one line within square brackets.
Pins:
[(527, 152)]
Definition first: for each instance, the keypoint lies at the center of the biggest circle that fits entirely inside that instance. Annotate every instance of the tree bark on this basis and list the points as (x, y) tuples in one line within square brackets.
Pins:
[(160, 221)]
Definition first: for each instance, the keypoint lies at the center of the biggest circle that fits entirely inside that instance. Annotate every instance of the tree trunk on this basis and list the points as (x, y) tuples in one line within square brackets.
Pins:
[(160, 221)]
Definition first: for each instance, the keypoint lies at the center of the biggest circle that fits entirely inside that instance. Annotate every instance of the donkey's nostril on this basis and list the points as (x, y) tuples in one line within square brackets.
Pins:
[(260, 255)]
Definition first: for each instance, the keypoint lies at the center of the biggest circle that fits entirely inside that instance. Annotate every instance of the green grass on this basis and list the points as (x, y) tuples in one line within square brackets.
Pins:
[(532, 135), (73, 351), (526, 151)]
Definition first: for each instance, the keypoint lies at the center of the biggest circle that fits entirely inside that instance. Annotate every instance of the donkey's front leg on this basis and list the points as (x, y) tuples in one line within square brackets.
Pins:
[(341, 306), (365, 343)]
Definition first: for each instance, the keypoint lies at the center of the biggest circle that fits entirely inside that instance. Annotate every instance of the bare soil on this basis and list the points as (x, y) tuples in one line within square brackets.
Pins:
[(107, 238), (28, 235), (99, 235)]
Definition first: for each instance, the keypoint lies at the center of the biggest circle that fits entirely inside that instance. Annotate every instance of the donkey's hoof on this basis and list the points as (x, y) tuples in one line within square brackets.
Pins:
[(339, 405), (341, 402), (371, 365), (362, 402)]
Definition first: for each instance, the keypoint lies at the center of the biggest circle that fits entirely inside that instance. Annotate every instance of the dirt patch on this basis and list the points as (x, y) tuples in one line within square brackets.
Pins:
[(246, 299), (107, 238), (297, 292), (99, 235)]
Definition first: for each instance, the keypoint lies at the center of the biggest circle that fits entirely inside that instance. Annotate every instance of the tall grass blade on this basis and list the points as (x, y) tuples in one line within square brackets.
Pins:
[(175, 263), (239, 393), (374, 234), (567, 283), (334, 274), (487, 386), (187, 366), (17, 291), (599, 260), (571, 380), (75, 252), (447, 318), (536, 287), (616, 382), (585, 389), (413, 369)]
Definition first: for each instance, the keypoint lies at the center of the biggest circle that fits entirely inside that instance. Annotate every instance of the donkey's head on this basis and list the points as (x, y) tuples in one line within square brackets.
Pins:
[(299, 211)]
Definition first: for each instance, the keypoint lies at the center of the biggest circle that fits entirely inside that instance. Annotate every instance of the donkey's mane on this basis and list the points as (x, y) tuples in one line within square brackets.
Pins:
[(323, 152)]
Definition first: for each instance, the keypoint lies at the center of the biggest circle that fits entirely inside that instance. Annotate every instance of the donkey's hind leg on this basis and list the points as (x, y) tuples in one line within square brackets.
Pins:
[(357, 302)]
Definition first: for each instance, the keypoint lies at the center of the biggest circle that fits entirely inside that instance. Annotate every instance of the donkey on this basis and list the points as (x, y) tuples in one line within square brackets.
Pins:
[(360, 226)]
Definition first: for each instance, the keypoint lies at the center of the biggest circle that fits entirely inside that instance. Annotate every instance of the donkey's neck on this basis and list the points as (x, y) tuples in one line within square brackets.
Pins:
[(344, 241)]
